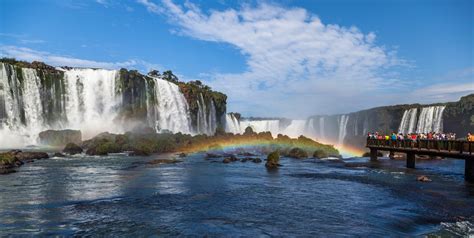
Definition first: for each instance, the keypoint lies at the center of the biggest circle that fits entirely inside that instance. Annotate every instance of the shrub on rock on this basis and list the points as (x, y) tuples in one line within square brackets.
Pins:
[(298, 153), (273, 160), (320, 154), (72, 149)]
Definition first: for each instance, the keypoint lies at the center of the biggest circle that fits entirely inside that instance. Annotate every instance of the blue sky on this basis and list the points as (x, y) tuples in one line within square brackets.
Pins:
[(272, 58)]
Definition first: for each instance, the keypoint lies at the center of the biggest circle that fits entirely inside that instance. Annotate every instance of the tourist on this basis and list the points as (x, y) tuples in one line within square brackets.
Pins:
[(470, 137)]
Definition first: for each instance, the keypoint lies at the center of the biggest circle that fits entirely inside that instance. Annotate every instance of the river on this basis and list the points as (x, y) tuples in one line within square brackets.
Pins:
[(124, 196)]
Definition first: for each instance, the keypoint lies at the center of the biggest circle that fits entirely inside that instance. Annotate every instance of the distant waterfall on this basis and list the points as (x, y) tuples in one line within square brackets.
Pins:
[(272, 126), (321, 128), (343, 119), (206, 119), (232, 125), (171, 111), (431, 119), (408, 123), (296, 128)]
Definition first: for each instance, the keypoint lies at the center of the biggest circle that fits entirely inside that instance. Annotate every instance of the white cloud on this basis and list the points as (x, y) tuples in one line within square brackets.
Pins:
[(150, 6), (296, 64), (27, 54), (453, 85)]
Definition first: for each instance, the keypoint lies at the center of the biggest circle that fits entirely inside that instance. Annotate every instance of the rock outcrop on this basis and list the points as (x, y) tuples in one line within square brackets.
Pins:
[(72, 149), (60, 137), (298, 153), (273, 160), (15, 158)]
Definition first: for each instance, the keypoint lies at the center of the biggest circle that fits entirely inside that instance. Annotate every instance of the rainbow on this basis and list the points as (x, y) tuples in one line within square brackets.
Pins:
[(246, 143)]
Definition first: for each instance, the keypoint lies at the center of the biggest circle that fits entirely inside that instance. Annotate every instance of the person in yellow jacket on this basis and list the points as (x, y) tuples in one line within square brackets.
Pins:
[(470, 137)]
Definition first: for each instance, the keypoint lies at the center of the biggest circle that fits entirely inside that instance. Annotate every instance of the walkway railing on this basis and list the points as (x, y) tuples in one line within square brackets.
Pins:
[(453, 146)]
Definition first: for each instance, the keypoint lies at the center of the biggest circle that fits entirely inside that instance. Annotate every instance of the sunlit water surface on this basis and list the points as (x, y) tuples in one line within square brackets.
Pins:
[(120, 195)]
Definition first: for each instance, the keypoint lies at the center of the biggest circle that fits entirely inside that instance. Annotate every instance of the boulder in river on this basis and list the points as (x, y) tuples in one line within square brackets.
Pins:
[(163, 161), (423, 178), (257, 160), (58, 154), (60, 137), (72, 149), (273, 160)]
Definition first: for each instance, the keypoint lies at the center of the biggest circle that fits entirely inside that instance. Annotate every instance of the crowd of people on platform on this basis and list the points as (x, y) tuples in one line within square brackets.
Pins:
[(417, 136)]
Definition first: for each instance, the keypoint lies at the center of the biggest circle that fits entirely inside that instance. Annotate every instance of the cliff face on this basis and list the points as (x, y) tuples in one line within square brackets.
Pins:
[(36, 95), (459, 116)]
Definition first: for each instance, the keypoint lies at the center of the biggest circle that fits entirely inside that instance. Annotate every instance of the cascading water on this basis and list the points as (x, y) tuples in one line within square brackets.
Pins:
[(206, 119), (88, 100), (232, 125), (295, 129), (21, 109), (321, 128), (171, 111), (212, 119), (431, 119), (343, 119), (91, 100), (272, 126), (408, 122)]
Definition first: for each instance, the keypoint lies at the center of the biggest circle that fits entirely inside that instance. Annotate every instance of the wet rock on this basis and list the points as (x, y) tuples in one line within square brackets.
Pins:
[(57, 154), (212, 155), (230, 159), (15, 158), (60, 137), (139, 152), (8, 163), (30, 156), (246, 154), (72, 149), (245, 160), (423, 178), (257, 160), (163, 161), (273, 160), (182, 155)]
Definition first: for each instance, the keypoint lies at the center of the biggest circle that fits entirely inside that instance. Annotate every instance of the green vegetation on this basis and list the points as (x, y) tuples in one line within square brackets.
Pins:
[(273, 160), (298, 153), (320, 154), (7, 159)]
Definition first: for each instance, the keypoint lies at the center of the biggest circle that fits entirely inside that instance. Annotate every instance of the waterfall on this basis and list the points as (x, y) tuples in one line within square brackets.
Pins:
[(295, 129), (21, 112), (32, 102), (170, 111), (212, 119), (91, 100), (232, 125), (343, 119), (356, 129), (206, 119), (310, 127), (431, 119), (366, 126), (438, 120), (321, 128), (408, 122), (272, 126)]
